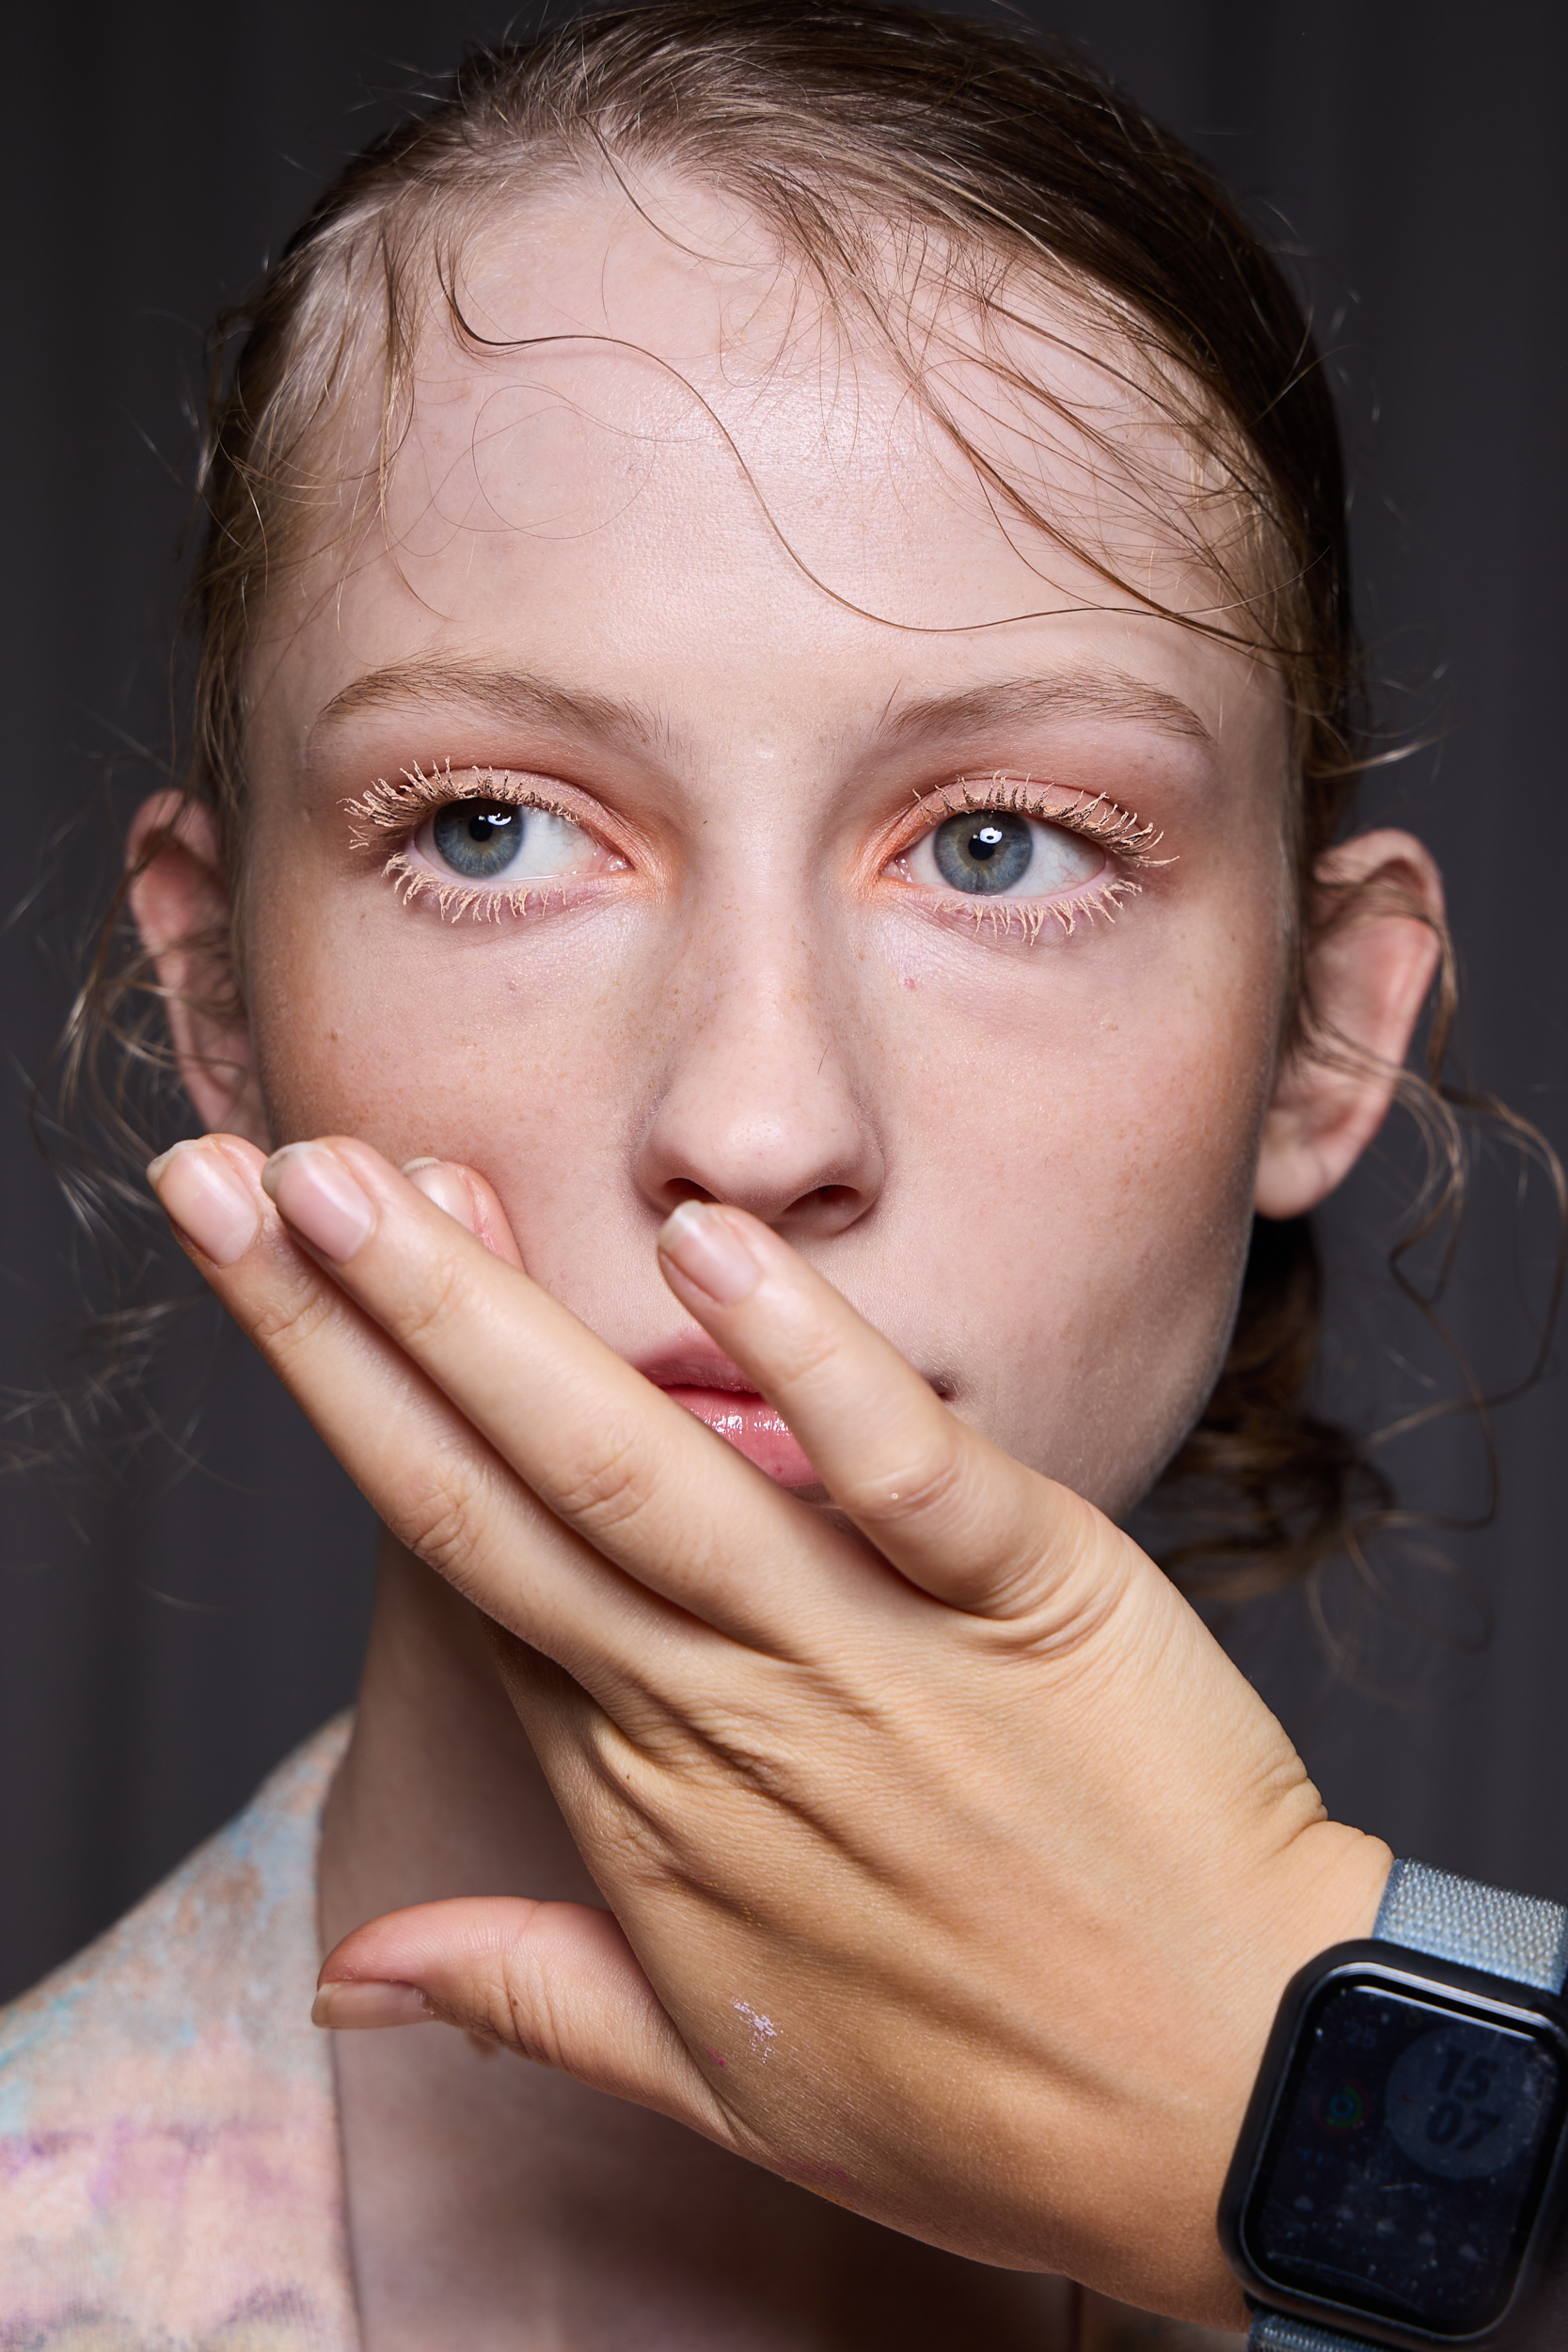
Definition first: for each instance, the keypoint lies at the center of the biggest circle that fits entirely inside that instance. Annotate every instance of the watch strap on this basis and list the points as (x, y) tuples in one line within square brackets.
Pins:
[(1520, 1936), (1275, 2331)]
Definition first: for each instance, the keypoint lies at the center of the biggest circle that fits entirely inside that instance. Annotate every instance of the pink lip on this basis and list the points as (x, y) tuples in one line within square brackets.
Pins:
[(703, 1378), (751, 1425)]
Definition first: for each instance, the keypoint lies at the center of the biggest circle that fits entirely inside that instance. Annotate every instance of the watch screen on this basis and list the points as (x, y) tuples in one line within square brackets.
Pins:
[(1408, 2156)]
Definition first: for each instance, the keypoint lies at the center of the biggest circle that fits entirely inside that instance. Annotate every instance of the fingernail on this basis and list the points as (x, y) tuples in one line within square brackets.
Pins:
[(320, 1198), (442, 1183), (207, 1198), (700, 1240), (349, 2007)]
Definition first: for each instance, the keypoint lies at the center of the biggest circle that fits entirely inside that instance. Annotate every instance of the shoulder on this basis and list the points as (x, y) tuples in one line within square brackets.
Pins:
[(169, 2173)]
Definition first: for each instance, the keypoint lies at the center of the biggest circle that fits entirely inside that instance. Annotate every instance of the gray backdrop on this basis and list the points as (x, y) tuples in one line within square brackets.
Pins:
[(161, 1643)]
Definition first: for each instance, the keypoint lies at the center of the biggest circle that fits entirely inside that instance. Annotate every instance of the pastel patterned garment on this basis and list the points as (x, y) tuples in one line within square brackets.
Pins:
[(169, 2170)]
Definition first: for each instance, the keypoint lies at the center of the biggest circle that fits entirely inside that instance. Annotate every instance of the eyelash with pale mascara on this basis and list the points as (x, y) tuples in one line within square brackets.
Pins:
[(1118, 830), (388, 807), (395, 807)]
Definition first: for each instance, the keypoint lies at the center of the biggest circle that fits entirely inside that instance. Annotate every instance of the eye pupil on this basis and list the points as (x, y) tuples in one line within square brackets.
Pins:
[(984, 855), (486, 821)]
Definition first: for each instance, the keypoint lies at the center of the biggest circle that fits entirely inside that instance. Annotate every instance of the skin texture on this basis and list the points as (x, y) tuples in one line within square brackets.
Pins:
[(1029, 1164)]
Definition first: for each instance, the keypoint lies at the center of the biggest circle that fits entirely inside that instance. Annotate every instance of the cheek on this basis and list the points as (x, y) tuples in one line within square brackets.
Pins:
[(418, 1038), (1173, 1242), (368, 1043), (1099, 1176)]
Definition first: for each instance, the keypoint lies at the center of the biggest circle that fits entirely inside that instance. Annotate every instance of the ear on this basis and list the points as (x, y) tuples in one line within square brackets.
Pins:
[(1368, 975), (180, 900)]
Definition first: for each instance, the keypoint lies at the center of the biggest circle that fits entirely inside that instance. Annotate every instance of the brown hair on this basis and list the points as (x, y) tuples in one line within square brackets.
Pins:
[(846, 124)]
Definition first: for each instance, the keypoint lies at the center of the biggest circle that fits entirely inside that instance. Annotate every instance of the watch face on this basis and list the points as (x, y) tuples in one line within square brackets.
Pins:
[(1407, 2157)]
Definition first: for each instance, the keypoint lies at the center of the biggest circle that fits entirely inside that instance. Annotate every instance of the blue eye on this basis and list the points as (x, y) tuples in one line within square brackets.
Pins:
[(491, 840), (986, 853), (479, 838), (999, 852)]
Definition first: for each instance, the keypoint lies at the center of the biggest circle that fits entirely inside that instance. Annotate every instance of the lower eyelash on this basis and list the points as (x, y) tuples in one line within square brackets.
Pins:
[(386, 807), (1016, 919), (455, 899), (1118, 830)]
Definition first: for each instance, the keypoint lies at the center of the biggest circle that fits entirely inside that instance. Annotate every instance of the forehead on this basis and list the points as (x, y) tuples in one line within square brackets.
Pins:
[(654, 447)]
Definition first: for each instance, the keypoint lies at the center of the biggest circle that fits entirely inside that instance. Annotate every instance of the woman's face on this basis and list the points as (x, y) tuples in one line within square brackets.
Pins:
[(731, 638)]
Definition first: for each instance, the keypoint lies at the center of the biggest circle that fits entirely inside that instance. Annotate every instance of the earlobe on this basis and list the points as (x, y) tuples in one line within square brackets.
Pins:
[(178, 898), (1369, 970)]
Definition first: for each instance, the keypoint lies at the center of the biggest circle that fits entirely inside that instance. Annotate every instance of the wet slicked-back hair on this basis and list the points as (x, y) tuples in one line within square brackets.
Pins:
[(878, 145)]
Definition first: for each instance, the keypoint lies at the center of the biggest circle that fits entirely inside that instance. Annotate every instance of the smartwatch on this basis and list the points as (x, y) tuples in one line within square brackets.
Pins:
[(1403, 2168)]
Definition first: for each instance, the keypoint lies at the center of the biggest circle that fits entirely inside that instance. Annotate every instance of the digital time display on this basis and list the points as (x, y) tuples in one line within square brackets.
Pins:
[(1408, 2158)]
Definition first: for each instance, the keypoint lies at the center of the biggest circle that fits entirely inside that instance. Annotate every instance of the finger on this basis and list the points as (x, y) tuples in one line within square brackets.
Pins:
[(639, 1477), (429, 1476), (950, 1510), (555, 1982), (465, 1194)]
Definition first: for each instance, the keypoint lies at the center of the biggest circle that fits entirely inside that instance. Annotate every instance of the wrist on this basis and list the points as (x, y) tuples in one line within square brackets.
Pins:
[(1174, 2139), (1400, 2175), (1325, 1891)]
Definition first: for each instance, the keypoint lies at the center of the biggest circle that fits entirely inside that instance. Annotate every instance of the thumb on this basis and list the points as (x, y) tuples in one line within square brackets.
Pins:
[(555, 1982)]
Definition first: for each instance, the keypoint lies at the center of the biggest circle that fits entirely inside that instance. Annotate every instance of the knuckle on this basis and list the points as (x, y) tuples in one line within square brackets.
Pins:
[(757, 1764), (1055, 1579), (635, 1848), (640, 1838), (284, 1322), (746, 1762), (933, 1483), (501, 2000), (811, 1352), (1091, 1574), (527, 2013), (439, 1513), (609, 1488), (442, 1297)]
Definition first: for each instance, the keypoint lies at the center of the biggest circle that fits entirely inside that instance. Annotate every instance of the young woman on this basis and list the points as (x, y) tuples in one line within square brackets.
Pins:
[(776, 721)]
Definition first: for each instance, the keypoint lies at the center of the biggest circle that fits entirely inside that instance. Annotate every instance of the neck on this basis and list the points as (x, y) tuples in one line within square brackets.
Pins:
[(441, 1793), (494, 2204)]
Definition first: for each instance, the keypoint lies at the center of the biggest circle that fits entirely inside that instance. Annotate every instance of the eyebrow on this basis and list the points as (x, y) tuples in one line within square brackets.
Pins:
[(526, 700), (1071, 694), (510, 694)]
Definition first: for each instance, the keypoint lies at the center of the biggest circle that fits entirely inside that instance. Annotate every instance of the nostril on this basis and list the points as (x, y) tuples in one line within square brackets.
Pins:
[(825, 1209), (681, 1189)]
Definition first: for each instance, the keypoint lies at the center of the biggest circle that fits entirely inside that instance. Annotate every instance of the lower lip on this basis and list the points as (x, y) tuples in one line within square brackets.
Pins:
[(753, 1428)]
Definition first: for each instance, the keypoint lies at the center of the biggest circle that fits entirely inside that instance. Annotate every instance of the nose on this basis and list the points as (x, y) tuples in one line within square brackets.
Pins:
[(761, 1105)]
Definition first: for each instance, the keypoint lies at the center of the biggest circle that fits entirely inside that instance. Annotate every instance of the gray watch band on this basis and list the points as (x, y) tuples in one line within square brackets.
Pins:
[(1520, 1936), (1273, 2332)]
